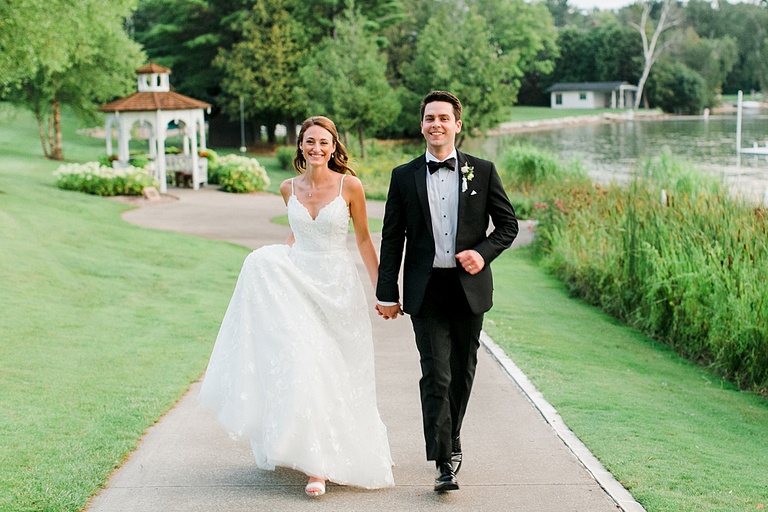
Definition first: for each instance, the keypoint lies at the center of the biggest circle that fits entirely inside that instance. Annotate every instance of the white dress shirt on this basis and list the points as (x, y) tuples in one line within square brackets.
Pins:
[(443, 194)]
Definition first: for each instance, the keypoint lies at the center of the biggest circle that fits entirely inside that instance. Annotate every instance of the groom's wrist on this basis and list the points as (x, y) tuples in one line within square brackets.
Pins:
[(385, 303)]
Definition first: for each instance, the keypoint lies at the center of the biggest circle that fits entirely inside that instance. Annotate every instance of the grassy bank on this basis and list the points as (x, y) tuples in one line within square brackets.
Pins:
[(690, 271), (691, 274), (104, 325), (679, 438)]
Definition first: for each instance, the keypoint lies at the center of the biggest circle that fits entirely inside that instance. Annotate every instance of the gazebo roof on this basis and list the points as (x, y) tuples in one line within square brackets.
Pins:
[(153, 68), (147, 101)]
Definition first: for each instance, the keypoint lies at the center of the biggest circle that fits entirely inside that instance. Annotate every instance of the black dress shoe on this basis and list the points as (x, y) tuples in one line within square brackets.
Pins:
[(446, 478), (456, 455)]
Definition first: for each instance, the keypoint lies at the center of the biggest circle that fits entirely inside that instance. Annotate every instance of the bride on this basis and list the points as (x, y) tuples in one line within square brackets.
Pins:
[(292, 368)]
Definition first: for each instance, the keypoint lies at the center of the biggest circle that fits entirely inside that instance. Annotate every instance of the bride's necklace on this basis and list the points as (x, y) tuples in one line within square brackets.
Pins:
[(312, 187)]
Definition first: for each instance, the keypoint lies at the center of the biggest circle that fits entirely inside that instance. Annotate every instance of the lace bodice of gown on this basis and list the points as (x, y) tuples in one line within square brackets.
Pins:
[(327, 232)]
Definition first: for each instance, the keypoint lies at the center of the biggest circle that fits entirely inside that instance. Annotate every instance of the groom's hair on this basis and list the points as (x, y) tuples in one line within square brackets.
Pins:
[(442, 96)]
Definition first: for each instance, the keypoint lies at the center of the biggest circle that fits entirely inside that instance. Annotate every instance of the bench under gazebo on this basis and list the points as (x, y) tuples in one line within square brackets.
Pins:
[(155, 106)]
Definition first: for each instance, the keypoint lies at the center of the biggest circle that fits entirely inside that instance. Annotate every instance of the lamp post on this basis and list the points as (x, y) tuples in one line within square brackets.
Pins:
[(242, 126)]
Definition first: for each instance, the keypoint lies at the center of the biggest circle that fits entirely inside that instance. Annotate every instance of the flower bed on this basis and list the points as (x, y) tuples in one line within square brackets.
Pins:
[(238, 174), (97, 179)]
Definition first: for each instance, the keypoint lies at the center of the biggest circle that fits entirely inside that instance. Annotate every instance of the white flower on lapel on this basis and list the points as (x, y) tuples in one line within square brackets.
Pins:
[(467, 173)]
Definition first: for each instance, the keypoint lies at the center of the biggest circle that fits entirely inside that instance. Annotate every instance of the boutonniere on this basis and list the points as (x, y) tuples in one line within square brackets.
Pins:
[(467, 173)]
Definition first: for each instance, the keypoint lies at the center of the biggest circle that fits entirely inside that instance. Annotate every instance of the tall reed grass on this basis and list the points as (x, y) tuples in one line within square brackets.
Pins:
[(531, 176), (690, 273)]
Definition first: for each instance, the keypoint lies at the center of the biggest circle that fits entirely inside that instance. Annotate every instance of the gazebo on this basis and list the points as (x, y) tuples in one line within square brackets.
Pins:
[(154, 107)]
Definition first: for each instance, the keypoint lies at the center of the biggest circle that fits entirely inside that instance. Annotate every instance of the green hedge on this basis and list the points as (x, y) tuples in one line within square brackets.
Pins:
[(690, 273)]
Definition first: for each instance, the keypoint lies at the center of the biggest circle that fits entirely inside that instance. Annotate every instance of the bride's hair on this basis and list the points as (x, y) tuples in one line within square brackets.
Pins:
[(339, 159)]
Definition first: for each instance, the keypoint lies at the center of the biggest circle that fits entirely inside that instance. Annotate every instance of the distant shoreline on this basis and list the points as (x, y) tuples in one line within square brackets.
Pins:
[(547, 124)]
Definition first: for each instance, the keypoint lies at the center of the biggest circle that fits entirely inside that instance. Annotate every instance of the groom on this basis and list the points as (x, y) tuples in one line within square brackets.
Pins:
[(438, 211)]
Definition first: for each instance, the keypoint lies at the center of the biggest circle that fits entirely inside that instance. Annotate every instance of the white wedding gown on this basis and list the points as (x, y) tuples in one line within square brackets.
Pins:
[(292, 369)]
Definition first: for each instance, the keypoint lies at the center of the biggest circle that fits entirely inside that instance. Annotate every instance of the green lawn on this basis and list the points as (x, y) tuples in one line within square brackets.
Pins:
[(677, 437), (521, 114), (104, 325)]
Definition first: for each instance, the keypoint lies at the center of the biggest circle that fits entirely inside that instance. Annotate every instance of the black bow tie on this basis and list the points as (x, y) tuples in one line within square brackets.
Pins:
[(449, 163)]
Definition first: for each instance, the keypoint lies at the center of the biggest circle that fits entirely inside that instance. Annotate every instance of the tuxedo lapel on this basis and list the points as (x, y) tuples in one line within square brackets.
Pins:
[(462, 159), (420, 182)]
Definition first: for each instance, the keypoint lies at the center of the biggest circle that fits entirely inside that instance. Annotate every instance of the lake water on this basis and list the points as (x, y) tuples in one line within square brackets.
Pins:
[(612, 151)]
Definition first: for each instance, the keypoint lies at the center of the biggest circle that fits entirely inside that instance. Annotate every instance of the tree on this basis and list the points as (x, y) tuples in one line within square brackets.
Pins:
[(94, 63), (560, 11), (576, 62), (607, 51), (319, 17), (616, 51), (31, 37), (676, 88), (465, 61), (524, 33), (346, 79), (713, 59), (654, 47), (186, 35), (262, 68), (402, 37), (750, 28)]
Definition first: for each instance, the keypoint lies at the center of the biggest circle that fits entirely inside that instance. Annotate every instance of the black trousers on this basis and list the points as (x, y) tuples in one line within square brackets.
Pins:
[(447, 336)]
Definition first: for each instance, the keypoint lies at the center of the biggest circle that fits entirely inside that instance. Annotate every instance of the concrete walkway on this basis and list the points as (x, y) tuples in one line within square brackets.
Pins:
[(518, 454)]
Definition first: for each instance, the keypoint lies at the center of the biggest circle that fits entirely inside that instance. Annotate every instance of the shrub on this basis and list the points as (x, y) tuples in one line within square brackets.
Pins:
[(97, 179), (107, 160), (138, 160), (676, 88), (285, 156), (375, 169), (210, 154), (212, 157), (238, 174)]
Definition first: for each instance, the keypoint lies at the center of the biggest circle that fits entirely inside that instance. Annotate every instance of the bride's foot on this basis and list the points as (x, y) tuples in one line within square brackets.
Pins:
[(315, 487)]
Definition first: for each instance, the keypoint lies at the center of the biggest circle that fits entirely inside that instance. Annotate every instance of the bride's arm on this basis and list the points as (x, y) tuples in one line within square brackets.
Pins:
[(355, 197), (285, 191)]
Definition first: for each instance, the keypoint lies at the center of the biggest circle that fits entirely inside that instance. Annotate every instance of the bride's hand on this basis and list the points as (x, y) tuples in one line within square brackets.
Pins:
[(388, 312)]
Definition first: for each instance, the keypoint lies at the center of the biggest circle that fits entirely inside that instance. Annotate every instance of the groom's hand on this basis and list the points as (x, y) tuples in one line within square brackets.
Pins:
[(471, 261), (389, 312)]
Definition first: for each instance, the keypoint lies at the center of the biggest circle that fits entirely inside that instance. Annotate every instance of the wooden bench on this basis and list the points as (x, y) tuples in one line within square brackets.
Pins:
[(181, 167)]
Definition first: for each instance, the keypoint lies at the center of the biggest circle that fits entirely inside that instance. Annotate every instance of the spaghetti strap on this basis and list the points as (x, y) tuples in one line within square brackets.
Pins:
[(341, 186)]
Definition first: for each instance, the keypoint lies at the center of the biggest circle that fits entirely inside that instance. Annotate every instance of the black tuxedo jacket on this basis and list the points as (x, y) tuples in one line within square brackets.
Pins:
[(408, 225)]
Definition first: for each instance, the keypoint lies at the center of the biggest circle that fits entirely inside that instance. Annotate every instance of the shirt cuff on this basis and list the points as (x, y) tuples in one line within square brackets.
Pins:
[(384, 303)]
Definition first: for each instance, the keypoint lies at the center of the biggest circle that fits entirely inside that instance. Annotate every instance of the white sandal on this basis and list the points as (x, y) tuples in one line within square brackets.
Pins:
[(315, 489)]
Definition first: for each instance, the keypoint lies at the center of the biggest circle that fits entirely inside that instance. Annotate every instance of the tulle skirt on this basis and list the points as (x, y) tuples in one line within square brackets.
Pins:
[(292, 368)]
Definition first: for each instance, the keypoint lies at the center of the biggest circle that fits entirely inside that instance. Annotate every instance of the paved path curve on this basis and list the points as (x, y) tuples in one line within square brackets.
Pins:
[(514, 459)]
